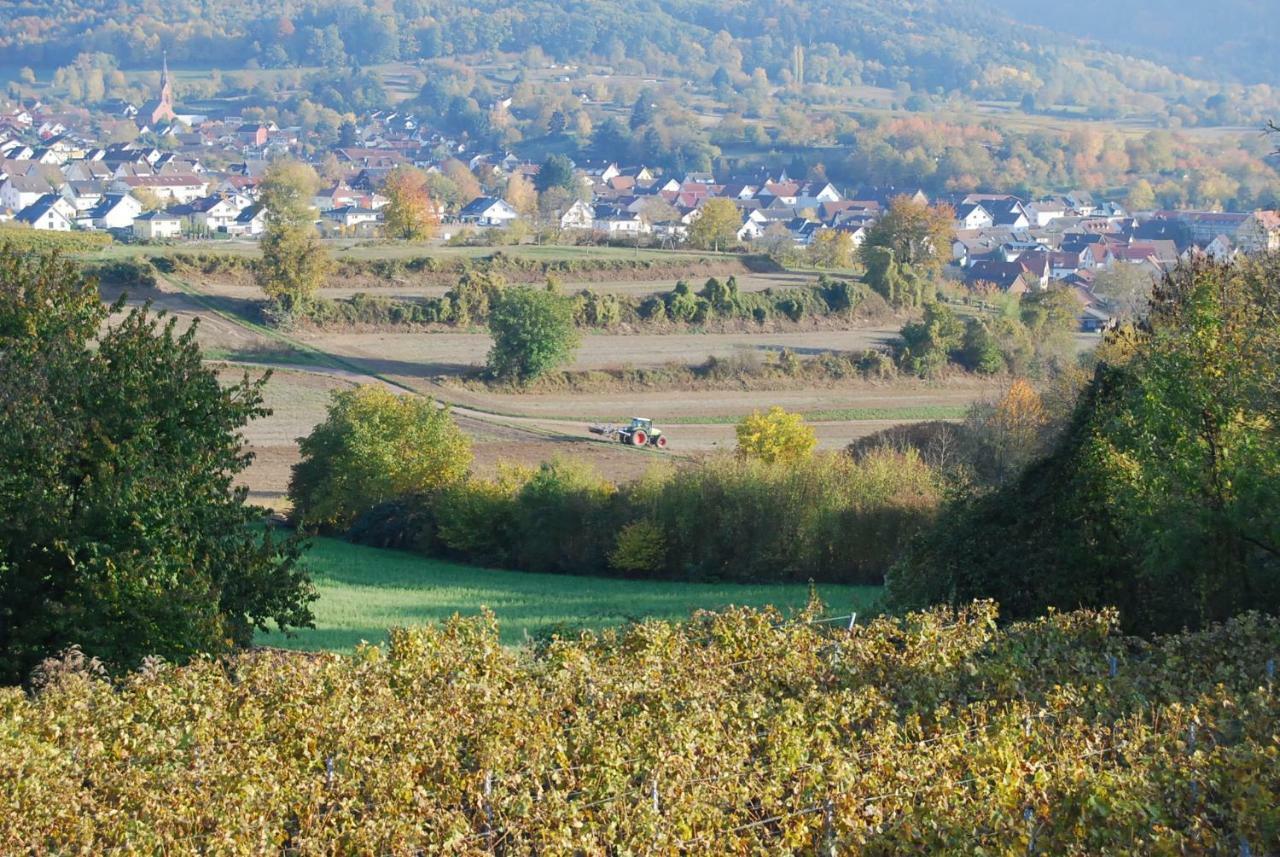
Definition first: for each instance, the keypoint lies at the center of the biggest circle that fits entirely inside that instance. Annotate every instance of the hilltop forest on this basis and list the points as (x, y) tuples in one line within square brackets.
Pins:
[(930, 47)]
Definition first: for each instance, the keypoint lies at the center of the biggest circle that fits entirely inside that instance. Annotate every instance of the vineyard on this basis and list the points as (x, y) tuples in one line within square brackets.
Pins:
[(736, 733)]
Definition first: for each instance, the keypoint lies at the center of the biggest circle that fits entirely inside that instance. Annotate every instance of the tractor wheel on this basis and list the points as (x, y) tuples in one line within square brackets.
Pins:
[(661, 442), (639, 438)]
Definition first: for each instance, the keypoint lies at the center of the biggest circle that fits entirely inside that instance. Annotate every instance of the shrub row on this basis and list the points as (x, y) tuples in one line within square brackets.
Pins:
[(518, 267), (828, 518), (738, 371), (124, 273), (469, 302)]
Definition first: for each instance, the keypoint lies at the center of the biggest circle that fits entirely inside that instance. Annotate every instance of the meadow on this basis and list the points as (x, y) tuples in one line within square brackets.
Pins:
[(365, 591)]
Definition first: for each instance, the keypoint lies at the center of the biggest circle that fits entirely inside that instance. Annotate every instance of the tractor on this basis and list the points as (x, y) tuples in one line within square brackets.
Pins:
[(639, 433)]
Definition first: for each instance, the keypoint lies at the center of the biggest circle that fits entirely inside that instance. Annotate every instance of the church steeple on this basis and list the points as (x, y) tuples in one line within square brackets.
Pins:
[(160, 110), (166, 88)]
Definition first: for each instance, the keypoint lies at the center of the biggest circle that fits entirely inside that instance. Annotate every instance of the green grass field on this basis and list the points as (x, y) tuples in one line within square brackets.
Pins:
[(364, 591)]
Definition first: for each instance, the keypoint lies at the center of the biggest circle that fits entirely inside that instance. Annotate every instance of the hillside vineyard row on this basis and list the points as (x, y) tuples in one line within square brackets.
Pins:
[(734, 734)]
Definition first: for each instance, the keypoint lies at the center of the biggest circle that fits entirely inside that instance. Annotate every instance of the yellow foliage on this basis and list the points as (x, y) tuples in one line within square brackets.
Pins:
[(775, 436)]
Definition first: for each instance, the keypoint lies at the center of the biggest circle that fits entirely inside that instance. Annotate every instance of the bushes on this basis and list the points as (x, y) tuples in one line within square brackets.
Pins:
[(124, 273), (478, 289), (776, 436), (532, 333), (828, 518), (374, 447), (1159, 497)]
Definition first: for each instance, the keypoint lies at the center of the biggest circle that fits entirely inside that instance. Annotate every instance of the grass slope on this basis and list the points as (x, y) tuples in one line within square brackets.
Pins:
[(364, 591)]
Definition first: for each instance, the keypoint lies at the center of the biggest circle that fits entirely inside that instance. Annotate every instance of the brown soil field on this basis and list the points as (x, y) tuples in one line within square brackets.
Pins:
[(431, 354)]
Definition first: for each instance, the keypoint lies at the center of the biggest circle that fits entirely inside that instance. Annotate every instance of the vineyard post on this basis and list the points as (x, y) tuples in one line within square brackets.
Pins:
[(1112, 665), (829, 828), (1271, 672), (488, 808)]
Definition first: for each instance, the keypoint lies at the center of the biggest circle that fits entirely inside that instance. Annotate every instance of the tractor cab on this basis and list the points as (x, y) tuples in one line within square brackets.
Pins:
[(642, 424)]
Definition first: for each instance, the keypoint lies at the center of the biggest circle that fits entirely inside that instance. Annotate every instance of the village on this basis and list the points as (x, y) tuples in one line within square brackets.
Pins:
[(198, 181)]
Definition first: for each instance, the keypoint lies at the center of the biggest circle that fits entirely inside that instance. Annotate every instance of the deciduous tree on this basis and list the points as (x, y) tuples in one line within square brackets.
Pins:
[(918, 234), (121, 530), (294, 262), (716, 226), (375, 446), (776, 436), (411, 214), (532, 331)]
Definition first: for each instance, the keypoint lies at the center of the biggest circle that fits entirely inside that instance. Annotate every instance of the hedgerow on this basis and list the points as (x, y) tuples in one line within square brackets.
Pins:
[(828, 518), (737, 733), (681, 306)]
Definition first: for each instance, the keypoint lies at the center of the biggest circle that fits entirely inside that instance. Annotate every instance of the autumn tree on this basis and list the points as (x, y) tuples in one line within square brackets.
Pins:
[(831, 248), (520, 195), (410, 214), (775, 437), (375, 445), (466, 185), (716, 226), (294, 262), (918, 234)]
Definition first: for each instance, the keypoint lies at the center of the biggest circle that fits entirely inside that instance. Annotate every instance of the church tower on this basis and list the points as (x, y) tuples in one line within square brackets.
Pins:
[(160, 110)]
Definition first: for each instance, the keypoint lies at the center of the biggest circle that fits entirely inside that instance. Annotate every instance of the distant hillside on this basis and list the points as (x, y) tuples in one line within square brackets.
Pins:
[(923, 50), (1228, 39)]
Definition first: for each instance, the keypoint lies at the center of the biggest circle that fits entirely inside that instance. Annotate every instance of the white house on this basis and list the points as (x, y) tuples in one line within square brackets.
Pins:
[(488, 211), (115, 211), (350, 216), (579, 216), (252, 221), (973, 216), (181, 189), (49, 213), (614, 221), (19, 192), (157, 225)]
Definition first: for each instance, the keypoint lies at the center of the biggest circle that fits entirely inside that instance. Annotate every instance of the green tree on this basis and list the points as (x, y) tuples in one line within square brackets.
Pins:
[(776, 436), (716, 226), (556, 171), (532, 331), (896, 283), (294, 262), (120, 528), (1162, 496), (1142, 196), (928, 345), (375, 446)]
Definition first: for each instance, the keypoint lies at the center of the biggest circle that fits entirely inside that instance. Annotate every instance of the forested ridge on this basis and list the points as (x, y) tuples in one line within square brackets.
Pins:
[(1232, 42), (929, 45)]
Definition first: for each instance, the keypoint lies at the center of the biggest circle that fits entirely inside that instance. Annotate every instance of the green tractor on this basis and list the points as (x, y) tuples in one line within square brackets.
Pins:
[(639, 433)]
